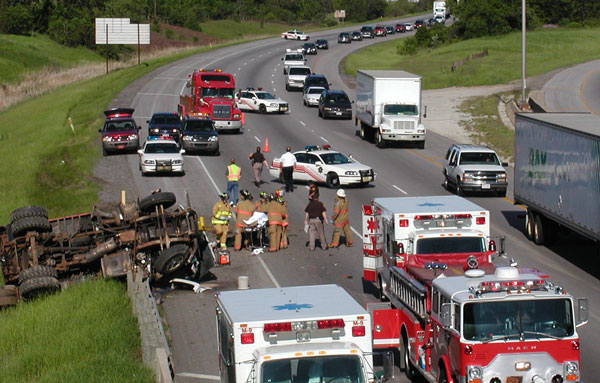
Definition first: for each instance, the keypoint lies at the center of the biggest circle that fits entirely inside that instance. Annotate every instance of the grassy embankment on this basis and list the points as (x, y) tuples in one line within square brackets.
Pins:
[(547, 49)]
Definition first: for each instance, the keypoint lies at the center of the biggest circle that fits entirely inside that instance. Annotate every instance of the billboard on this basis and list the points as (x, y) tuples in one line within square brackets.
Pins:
[(120, 31)]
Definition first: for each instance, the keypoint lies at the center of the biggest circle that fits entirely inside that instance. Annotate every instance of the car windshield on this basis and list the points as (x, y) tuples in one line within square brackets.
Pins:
[(161, 148), (294, 57), (326, 369), (265, 96), (527, 319), (299, 71), (337, 98), (118, 126), (450, 245), (217, 92), (400, 110), (335, 159), (481, 158), (315, 90), (199, 126), (165, 120)]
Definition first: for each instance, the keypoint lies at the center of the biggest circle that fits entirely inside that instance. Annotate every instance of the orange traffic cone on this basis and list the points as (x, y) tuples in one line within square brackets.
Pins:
[(243, 119), (266, 147)]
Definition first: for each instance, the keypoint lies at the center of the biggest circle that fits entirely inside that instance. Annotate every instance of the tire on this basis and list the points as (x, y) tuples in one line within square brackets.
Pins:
[(171, 259), (363, 131), (262, 109), (281, 177), (459, 189), (333, 181), (442, 378), (502, 194), (31, 288), (147, 204), (380, 295), (104, 152), (446, 184), (37, 271), (238, 131), (319, 112), (529, 223), (379, 141), (28, 211), (37, 224), (8, 295), (215, 153), (421, 145), (538, 230), (409, 370), (287, 87)]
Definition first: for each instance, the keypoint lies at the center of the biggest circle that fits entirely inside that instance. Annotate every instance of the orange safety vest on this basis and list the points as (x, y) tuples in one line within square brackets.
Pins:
[(233, 173)]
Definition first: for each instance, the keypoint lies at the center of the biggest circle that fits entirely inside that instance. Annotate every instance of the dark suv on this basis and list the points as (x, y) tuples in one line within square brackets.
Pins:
[(367, 32), (120, 132), (199, 135), (315, 80), (165, 125), (335, 104)]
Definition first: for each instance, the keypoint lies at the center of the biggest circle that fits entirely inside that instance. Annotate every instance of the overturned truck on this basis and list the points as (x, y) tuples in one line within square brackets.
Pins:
[(39, 255)]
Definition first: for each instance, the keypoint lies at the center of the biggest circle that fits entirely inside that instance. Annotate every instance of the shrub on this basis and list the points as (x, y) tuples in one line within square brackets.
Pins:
[(328, 21), (156, 27), (16, 19), (408, 47), (169, 33)]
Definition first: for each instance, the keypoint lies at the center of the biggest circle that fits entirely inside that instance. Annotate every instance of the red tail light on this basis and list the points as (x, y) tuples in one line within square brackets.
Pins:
[(248, 338), (480, 220), (277, 327), (403, 223), (358, 330), (421, 217), (330, 323), (462, 216)]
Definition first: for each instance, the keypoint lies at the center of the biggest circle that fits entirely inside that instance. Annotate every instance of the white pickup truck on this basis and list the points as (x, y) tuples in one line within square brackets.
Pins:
[(293, 57)]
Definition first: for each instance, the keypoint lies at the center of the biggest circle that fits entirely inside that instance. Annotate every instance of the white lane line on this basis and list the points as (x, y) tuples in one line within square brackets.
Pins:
[(323, 139), (158, 94), (396, 187), (303, 124), (198, 376), (268, 271), (356, 232), (275, 70), (272, 82), (274, 90), (245, 64), (273, 75), (209, 176), (256, 138), (240, 68), (170, 78)]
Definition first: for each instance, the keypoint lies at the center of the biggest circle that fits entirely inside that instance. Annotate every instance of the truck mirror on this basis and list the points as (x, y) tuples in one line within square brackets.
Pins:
[(452, 163), (425, 111), (99, 130), (147, 121), (282, 59), (182, 151), (446, 315), (505, 164), (582, 311), (140, 151)]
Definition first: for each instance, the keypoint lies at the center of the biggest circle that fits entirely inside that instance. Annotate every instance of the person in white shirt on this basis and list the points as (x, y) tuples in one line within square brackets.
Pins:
[(288, 162)]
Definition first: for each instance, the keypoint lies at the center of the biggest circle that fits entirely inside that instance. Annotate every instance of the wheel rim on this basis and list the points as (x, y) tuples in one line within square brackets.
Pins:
[(174, 263)]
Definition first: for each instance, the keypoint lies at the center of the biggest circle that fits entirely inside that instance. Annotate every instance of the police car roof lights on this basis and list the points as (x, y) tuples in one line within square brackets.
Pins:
[(252, 88), (292, 50), (218, 70), (310, 148)]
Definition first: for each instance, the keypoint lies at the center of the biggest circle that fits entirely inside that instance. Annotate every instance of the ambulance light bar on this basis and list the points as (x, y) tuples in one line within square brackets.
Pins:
[(304, 325), (443, 220)]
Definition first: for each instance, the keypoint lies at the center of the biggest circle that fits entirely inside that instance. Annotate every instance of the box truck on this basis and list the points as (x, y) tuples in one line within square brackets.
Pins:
[(389, 107), (557, 173)]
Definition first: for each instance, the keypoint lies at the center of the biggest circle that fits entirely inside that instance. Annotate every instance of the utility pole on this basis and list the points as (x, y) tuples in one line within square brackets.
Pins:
[(523, 28)]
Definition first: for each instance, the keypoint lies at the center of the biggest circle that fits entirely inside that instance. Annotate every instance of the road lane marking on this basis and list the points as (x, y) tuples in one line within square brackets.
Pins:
[(425, 158), (356, 232), (198, 376), (158, 94), (268, 271), (256, 138), (323, 139), (209, 176), (397, 188), (303, 124), (581, 92)]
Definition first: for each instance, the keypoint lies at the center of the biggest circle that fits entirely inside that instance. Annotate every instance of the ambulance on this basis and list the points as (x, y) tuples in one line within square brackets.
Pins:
[(304, 334)]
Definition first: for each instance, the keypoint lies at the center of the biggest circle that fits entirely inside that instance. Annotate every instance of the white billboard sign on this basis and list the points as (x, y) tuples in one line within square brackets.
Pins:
[(120, 31)]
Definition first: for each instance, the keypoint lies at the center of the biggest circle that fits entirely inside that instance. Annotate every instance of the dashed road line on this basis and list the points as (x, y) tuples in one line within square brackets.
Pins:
[(303, 124), (158, 94), (321, 137), (256, 138), (269, 273), (402, 191), (198, 376)]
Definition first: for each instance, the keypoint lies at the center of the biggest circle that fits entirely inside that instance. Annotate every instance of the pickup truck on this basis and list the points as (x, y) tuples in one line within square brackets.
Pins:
[(293, 57)]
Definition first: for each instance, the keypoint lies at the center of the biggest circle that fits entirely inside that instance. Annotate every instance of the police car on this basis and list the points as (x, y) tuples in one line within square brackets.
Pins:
[(294, 35), (161, 155), (323, 165), (258, 100)]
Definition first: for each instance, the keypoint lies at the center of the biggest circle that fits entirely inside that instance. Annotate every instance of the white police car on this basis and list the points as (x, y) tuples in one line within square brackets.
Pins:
[(258, 100), (323, 165), (161, 156)]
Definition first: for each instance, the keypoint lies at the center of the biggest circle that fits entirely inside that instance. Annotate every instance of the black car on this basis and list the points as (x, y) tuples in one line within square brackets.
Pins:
[(344, 38), (165, 125), (198, 134), (400, 28), (356, 36), (390, 30), (431, 22), (322, 44), (315, 80), (335, 104), (309, 48), (367, 32)]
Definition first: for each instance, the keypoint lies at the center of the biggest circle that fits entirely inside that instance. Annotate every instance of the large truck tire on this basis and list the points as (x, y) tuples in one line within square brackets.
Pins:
[(36, 286), (149, 203), (529, 223), (379, 141), (538, 230), (37, 271), (28, 211), (37, 224), (409, 370), (172, 259)]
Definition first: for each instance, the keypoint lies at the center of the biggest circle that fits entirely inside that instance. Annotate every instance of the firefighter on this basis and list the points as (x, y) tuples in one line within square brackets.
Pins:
[(262, 202), (340, 220), (243, 210), (221, 215), (283, 244), (273, 210)]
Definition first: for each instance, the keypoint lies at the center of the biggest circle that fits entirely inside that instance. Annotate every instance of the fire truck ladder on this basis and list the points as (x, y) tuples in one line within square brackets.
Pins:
[(410, 292)]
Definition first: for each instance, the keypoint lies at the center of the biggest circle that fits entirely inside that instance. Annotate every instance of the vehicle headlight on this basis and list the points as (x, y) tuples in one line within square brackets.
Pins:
[(467, 176), (351, 173), (420, 130), (108, 139), (571, 367), (348, 109), (474, 372), (502, 177), (274, 105), (188, 138), (155, 130), (132, 137), (213, 138), (236, 115), (149, 162), (326, 108), (177, 162)]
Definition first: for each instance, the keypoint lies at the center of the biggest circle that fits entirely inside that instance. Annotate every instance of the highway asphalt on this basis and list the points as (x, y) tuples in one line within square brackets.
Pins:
[(400, 172)]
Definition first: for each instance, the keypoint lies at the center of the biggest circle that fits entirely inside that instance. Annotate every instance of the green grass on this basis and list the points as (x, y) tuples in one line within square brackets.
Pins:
[(502, 65), (232, 30), (86, 333), (21, 54)]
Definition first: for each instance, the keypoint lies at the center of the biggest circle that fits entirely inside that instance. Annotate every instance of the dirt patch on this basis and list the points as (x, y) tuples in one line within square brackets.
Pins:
[(171, 36)]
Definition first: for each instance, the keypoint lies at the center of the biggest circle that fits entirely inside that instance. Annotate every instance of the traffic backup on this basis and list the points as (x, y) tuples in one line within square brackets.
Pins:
[(455, 316), (298, 334)]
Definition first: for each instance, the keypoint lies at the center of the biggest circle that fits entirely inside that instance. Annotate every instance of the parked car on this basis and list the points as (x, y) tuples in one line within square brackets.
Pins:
[(322, 44), (259, 100), (367, 32), (409, 26), (315, 80), (380, 31), (294, 35), (295, 77), (430, 22), (309, 48), (161, 156), (344, 38), (440, 19), (356, 36), (165, 125), (199, 135), (335, 104), (474, 168), (390, 30), (120, 133), (418, 23), (311, 95), (400, 28)]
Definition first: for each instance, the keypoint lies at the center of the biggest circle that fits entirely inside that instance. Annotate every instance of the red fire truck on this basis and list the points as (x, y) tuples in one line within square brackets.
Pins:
[(460, 318), (211, 93)]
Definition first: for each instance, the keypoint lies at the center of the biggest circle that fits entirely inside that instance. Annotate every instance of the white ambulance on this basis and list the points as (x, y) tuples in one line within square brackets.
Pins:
[(395, 229), (304, 334)]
